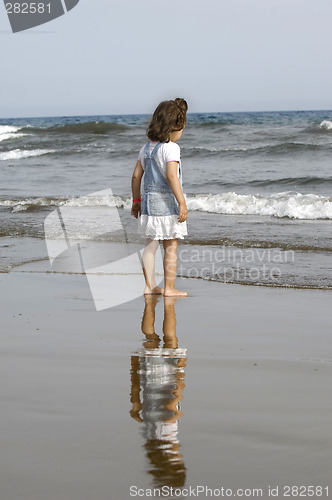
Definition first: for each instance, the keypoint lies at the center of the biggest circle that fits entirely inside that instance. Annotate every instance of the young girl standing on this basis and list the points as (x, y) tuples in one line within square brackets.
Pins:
[(162, 208)]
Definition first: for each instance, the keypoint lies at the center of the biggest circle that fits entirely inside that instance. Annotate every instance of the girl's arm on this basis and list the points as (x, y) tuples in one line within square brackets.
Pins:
[(173, 180), (136, 189)]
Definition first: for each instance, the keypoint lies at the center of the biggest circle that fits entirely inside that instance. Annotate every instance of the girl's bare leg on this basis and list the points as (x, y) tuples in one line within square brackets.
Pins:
[(170, 264), (148, 257)]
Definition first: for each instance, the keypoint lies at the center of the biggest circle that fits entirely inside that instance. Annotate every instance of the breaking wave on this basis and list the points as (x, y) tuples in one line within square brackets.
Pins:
[(326, 125), (18, 154), (286, 204)]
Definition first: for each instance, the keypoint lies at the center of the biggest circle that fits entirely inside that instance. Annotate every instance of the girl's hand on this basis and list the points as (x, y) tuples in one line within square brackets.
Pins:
[(183, 212), (136, 209)]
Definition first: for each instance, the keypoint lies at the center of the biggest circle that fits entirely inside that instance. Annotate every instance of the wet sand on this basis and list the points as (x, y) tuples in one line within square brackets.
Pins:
[(255, 398)]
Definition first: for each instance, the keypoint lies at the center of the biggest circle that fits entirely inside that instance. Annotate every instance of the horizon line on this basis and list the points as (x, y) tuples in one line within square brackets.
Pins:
[(190, 113)]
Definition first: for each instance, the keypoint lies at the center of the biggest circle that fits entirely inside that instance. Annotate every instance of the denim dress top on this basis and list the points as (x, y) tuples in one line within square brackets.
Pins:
[(159, 207)]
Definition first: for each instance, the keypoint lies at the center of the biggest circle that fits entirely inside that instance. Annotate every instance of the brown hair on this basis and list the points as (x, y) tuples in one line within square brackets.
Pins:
[(168, 117)]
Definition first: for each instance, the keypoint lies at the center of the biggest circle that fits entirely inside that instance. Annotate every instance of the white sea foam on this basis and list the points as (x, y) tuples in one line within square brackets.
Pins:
[(10, 132), (4, 137), (5, 129), (95, 201), (326, 124), (285, 204), (82, 201), (18, 154)]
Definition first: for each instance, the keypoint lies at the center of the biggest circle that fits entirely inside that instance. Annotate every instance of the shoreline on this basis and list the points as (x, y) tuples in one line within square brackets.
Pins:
[(194, 262), (254, 285), (24, 268)]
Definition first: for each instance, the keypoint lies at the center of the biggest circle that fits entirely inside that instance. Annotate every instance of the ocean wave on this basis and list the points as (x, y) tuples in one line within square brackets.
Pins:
[(18, 154), (10, 132), (37, 203), (8, 129), (291, 181), (18, 205), (232, 149), (282, 148), (213, 124), (286, 204), (95, 127), (326, 125), (288, 147), (5, 137)]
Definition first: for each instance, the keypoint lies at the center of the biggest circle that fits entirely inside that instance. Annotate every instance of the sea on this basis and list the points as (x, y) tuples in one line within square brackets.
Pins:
[(258, 187)]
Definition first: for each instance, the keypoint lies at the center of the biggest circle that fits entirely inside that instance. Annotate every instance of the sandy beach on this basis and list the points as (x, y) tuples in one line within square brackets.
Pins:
[(255, 389)]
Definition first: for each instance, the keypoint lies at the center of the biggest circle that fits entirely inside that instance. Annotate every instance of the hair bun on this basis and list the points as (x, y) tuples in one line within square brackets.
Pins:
[(181, 104)]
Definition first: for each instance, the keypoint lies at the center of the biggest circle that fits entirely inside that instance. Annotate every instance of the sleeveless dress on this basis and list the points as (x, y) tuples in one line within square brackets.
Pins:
[(159, 207)]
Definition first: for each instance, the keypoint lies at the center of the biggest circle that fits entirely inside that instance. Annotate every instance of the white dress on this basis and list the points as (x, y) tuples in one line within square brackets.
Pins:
[(167, 226)]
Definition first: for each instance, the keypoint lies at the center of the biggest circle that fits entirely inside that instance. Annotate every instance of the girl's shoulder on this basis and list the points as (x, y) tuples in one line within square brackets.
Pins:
[(167, 151), (170, 151), (171, 146)]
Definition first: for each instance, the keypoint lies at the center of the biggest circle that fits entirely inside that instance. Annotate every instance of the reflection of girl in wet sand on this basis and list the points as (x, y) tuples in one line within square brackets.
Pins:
[(157, 382)]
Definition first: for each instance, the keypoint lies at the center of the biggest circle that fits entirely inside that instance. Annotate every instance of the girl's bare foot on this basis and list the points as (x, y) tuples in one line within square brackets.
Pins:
[(157, 290), (171, 292)]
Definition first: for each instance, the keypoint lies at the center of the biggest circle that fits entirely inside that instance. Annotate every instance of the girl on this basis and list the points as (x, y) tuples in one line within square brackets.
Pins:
[(163, 210)]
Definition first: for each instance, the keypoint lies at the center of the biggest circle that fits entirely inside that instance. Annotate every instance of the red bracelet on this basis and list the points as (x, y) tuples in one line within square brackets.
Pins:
[(137, 199)]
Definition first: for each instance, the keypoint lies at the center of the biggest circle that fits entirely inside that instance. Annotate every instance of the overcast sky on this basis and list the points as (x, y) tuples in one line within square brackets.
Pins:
[(107, 57)]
